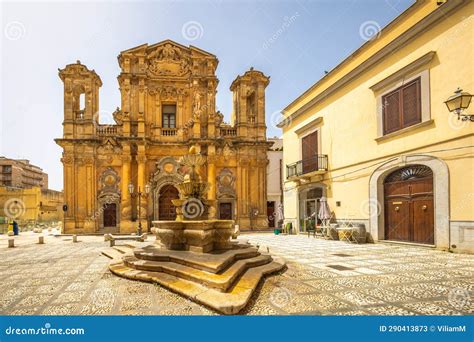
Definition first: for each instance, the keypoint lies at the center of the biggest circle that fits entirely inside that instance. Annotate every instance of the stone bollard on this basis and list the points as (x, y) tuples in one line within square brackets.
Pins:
[(41, 240), (11, 243), (112, 242), (74, 238)]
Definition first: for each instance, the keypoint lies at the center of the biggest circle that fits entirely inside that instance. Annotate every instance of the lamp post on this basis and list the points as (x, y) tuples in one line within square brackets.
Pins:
[(458, 102), (139, 194)]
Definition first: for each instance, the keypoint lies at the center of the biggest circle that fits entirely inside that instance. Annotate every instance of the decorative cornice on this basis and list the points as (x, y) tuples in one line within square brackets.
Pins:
[(403, 72), (311, 125)]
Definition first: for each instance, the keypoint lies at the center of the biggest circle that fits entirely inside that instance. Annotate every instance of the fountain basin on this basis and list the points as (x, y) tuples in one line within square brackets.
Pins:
[(196, 236)]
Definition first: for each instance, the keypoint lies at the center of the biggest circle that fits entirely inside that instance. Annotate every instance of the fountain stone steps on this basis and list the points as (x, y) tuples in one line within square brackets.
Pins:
[(123, 249), (219, 281), (230, 302), (213, 262), (111, 253)]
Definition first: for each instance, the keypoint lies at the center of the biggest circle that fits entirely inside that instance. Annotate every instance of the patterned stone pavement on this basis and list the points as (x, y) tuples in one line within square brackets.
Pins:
[(323, 278)]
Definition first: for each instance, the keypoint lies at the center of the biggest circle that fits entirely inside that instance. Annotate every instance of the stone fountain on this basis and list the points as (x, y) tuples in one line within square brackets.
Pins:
[(194, 256), (195, 228)]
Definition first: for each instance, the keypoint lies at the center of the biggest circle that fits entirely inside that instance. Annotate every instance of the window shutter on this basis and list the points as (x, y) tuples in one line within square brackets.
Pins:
[(310, 145), (391, 112), (411, 104), (310, 151)]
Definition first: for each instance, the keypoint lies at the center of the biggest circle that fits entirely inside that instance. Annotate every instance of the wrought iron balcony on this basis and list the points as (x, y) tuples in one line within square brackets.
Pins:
[(313, 165)]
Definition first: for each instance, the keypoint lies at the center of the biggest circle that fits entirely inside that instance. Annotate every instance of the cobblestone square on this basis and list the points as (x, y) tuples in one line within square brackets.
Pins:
[(66, 278)]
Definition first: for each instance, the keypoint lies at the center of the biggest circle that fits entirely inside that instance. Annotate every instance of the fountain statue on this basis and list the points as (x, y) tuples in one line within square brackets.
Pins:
[(195, 228), (194, 255)]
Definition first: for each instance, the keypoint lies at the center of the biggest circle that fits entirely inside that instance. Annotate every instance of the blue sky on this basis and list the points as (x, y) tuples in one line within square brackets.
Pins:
[(294, 42)]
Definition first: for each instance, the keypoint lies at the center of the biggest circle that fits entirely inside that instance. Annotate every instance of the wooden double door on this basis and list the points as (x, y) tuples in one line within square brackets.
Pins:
[(166, 208), (409, 209), (225, 211), (110, 215)]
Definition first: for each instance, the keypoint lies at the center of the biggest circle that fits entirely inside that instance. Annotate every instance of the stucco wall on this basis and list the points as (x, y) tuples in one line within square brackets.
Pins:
[(348, 127)]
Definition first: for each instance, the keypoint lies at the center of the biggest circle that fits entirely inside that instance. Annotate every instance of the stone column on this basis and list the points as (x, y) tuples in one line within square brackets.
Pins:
[(69, 224), (126, 225), (211, 178), (126, 159), (141, 160)]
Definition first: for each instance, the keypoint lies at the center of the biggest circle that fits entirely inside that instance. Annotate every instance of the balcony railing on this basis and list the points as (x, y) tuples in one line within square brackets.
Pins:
[(226, 132), (107, 130), (317, 163), (169, 132)]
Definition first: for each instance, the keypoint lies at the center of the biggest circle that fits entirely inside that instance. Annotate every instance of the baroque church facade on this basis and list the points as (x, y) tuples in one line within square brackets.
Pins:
[(168, 104)]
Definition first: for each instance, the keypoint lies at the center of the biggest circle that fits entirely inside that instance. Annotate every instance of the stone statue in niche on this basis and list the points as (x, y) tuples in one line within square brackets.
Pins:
[(197, 102), (219, 118), (118, 116)]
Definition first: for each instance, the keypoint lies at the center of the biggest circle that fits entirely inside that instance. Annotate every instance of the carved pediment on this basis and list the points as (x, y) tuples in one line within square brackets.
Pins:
[(168, 60), (226, 151), (109, 145)]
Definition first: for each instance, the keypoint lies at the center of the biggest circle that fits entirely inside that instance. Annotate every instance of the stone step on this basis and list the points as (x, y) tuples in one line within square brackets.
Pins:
[(225, 302), (112, 253), (124, 249), (219, 281), (213, 262)]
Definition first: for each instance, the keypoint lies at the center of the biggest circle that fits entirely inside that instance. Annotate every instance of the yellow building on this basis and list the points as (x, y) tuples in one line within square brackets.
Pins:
[(375, 137), (30, 205), (168, 93)]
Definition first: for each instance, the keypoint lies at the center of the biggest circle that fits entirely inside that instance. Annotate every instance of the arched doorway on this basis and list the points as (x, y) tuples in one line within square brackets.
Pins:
[(166, 208), (110, 215), (408, 204), (309, 203)]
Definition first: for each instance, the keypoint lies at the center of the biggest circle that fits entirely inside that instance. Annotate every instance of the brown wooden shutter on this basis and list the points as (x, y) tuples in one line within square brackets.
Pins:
[(310, 145), (391, 112), (411, 103), (310, 152)]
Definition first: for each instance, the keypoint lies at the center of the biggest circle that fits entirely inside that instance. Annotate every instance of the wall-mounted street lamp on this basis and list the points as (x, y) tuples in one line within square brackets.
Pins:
[(459, 102), (139, 194)]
